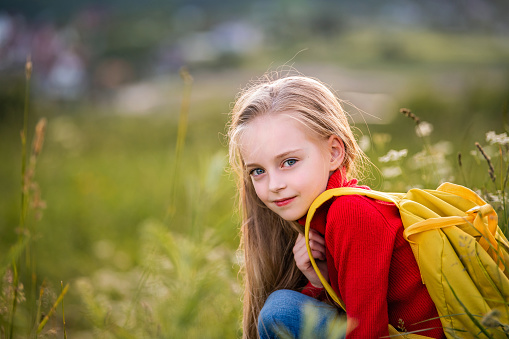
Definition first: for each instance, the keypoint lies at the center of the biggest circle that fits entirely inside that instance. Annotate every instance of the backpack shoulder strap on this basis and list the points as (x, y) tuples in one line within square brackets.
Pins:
[(319, 201)]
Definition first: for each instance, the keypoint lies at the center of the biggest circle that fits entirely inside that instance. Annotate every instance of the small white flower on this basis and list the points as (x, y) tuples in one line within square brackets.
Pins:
[(494, 138), (442, 147), (423, 129), (365, 143), (493, 198), (391, 172), (393, 155)]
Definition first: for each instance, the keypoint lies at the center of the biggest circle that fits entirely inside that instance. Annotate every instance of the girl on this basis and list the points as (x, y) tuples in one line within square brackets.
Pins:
[(289, 141)]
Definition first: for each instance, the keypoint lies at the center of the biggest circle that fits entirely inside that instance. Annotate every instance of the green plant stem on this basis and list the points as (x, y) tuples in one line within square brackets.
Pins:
[(181, 134), (504, 200), (141, 284), (53, 308), (470, 315), (24, 133), (63, 312), (24, 193), (39, 305)]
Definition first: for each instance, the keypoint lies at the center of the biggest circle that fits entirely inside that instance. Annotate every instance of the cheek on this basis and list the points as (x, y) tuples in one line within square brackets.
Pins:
[(258, 187)]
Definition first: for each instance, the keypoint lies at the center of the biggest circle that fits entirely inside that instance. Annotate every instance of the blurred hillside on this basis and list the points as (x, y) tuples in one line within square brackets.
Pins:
[(84, 50)]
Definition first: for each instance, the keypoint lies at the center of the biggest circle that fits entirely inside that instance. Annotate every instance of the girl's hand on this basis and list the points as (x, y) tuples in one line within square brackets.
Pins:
[(300, 254)]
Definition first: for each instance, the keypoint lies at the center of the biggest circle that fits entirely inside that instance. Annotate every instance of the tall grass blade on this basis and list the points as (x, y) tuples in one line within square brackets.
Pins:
[(63, 312), (181, 133), (39, 306), (53, 308), (469, 314), (24, 133), (12, 256), (22, 235)]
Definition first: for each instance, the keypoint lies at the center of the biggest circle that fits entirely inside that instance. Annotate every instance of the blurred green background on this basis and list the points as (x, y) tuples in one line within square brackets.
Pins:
[(147, 239)]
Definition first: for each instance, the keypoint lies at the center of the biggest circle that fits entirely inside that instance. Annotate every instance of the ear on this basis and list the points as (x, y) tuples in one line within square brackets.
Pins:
[(337, 151)]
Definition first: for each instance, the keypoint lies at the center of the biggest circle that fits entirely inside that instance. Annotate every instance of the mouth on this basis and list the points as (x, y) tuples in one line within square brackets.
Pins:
[(283, 202)]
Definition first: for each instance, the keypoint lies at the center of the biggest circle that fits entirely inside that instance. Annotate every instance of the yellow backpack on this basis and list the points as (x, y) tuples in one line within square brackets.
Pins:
[(461, 252)]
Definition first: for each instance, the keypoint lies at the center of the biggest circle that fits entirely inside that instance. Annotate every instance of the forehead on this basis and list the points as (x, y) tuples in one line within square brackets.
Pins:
[(270, 135)]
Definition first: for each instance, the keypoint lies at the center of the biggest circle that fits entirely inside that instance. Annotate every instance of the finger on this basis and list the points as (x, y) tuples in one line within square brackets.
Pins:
[(299, 243), (300, 248), (315, 246), (317, 251), (318, 255), (314, 235)]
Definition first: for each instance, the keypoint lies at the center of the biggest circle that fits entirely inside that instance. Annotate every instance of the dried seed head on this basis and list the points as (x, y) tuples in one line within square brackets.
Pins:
[(490, 319), (40, 129), (406, 112), (491, 170), (459, 159)]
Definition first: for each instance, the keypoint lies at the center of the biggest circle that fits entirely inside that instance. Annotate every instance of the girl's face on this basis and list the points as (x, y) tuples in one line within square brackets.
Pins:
[(288, 166)]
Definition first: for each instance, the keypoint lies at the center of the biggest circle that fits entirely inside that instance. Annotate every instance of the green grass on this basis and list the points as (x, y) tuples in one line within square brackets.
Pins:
[(143, 264)]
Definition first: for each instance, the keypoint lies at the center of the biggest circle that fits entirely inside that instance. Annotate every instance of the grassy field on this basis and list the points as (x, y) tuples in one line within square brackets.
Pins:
[(147, 237)]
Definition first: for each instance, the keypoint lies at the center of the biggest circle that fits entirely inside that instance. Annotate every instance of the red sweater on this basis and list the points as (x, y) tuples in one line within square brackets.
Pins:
[(372, 267)]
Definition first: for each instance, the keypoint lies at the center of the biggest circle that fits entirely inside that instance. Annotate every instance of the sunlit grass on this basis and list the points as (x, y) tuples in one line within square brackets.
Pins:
[(134, 270)]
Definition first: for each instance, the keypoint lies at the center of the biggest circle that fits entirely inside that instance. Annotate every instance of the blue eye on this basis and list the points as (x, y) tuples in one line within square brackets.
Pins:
[(256, 172), (289, 162)]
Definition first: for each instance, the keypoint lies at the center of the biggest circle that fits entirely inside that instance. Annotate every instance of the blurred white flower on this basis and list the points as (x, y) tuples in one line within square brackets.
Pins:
[(494, 138), (498, 197), (393, 155), (435, 159), (423, 129), (493, 198), (364, 143), (391, 172), (442, 147)]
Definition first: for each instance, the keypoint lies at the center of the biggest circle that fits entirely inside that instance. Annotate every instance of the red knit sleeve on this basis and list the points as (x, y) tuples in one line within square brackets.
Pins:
[(314, 292), (361, 244)]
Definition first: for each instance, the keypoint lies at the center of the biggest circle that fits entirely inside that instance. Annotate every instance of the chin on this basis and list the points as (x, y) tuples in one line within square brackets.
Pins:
[(292, 216)]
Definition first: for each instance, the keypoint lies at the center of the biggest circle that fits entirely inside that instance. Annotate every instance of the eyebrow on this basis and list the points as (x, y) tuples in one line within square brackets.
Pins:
[(279, 156)]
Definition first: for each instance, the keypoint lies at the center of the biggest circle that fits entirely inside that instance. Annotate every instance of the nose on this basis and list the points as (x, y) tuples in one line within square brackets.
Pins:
[(276, 183)]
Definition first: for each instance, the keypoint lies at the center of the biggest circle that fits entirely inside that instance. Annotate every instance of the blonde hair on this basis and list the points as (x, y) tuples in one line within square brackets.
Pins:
[(267, 240)]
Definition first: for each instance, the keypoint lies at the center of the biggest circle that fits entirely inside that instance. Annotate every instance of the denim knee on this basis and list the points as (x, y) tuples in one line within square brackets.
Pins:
[(281, 312)]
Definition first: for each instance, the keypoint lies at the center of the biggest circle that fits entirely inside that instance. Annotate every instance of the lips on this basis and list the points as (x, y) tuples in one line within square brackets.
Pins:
[(283, 202)]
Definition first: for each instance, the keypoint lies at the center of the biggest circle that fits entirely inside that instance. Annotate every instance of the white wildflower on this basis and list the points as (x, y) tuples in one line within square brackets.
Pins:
[(498, 197), (435, 160), (364, 143), (493, 198), (393, 155), (494, 138), (391, 172), (442, 147), (423, 129)]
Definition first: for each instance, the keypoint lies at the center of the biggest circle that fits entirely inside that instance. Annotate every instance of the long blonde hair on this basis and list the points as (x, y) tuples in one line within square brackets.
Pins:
[(267, 240)]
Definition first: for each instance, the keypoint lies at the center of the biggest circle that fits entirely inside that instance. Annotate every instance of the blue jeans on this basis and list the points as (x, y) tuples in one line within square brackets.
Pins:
[(290, 314)]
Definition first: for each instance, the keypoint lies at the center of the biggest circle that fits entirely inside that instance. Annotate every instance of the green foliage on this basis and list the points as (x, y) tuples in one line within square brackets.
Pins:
[(184, 287), (148, 243)]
